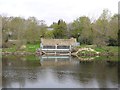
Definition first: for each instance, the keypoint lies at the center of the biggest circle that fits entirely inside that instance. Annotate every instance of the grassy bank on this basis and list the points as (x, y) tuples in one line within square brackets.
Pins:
[(103, 49), (29, 48), (32, 48)]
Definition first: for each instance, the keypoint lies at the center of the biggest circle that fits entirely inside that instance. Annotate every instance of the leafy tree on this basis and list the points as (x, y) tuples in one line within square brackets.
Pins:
[(82, 26), (49, 34), (113, 31), (101, 29), (60, 29), (34, 30)]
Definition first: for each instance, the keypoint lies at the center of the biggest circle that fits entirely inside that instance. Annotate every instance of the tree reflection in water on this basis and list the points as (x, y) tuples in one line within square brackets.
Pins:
[(31, 71)]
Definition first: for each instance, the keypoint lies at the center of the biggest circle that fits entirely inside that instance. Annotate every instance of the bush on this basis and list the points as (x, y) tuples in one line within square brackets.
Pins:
[(112, 42)]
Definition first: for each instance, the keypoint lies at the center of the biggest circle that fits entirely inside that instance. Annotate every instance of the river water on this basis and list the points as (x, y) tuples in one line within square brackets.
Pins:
[(58, 72)]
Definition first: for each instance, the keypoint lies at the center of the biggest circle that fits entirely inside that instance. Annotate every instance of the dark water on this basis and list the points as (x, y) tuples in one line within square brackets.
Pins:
[(58, 72)]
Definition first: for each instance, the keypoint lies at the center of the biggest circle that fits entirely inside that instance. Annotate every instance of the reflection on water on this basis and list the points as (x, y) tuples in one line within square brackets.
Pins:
[(57, 60), (57, 72)]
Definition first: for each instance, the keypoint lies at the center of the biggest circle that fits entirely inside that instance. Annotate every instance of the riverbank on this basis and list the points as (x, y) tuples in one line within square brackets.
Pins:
[(31, 48), (93, 50), (104, 50)]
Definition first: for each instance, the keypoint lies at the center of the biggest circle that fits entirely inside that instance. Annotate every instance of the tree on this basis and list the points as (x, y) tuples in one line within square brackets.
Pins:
[(60, 29), (113, 31), (34, 29), (101, 29), (49, 34), (82, 26), (13, 25)]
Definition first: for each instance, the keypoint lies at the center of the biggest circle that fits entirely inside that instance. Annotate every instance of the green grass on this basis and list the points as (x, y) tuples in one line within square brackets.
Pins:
[(102, 49), (99, 49), (29, 48), (86, 52), (32, 47), (13, 49), (110, 49)]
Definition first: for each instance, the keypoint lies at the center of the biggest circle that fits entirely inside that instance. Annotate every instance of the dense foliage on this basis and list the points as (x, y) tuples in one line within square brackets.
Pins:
[(103, 31)]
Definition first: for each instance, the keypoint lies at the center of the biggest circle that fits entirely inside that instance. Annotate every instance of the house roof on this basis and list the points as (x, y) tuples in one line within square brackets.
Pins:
[(52, 42)]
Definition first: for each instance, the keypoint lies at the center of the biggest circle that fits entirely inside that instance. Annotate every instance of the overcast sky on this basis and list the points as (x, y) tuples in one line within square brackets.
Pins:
[(53, 10)]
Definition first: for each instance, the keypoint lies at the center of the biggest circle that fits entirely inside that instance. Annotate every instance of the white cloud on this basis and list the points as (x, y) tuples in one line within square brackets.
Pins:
[(52, 10)]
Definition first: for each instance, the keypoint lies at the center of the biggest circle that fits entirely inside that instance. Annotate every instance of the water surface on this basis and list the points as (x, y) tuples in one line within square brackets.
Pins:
[(58, 72)]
